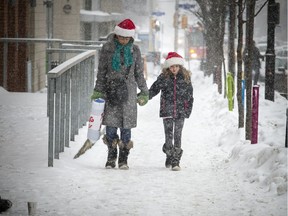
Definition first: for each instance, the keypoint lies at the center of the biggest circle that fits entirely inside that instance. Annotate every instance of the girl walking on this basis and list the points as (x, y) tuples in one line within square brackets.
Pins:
[(176, 102)]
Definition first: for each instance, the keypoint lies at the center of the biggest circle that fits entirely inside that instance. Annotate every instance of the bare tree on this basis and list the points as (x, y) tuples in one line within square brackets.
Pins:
[(212, 15), (239, 65), (231, 43)]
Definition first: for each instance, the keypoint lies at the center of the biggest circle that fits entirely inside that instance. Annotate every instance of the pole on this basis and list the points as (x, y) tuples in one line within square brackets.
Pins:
[(270, 52), (243, 89), (176, 25), (203, 52), (49, 24), (255, 108), (286, 134), (151, 38), (5, 66)]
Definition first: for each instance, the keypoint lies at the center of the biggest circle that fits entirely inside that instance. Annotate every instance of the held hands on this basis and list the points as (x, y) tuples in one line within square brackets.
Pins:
[(142, 99), (96, 95)]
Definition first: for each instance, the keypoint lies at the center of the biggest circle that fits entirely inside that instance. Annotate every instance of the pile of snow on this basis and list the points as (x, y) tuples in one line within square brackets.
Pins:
[(264, 162), (2, 90)]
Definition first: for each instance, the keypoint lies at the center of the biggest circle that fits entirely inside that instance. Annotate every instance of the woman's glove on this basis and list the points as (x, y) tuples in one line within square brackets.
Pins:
[(142, 98), (96, 95)]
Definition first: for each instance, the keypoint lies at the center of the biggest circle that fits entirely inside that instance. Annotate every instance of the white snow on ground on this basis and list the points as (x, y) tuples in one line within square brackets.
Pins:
[(222, 174)]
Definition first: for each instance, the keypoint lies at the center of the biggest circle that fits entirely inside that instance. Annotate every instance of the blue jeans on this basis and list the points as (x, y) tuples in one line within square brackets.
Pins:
[(111, 134)]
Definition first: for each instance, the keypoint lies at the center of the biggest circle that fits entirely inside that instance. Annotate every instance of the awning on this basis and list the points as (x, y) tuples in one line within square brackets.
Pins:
[(98, 16), (117, 16)]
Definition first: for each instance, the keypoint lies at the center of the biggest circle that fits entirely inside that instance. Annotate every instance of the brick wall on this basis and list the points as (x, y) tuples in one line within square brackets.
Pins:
[(14, 20), (3, 33)]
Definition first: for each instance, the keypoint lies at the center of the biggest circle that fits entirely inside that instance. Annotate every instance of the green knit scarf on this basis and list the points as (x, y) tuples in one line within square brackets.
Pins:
[(128, 60)]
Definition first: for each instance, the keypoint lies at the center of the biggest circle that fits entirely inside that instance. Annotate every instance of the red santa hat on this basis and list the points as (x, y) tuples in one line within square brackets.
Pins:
[(126, 28), (173, 58)]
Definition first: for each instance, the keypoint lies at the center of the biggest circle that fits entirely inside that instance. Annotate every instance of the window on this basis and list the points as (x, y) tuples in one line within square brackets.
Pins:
[(88, 5)]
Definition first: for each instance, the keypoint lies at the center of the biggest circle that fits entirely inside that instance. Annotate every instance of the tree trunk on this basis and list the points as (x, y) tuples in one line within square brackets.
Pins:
[(231, 43), (231, 46), (220, 58), (239, 65), (250, 5)]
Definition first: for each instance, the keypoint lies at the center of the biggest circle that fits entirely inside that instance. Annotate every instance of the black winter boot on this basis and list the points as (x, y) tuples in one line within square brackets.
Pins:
[(177, 154), (123, 154), (5, 204), (112, 153), (112, 157), (168, 152)]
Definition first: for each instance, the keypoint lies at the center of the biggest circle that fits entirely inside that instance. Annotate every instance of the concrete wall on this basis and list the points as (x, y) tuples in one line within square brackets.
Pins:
[(66, 26), (111, 6), (37, 50)]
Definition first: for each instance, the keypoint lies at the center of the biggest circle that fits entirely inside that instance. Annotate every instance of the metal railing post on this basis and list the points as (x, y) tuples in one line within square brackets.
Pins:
[(5, 53), (51, 90), (67, 108), (57, 117), (62, 112)]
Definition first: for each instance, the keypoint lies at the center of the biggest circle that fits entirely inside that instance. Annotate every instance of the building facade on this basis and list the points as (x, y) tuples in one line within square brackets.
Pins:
[(24, 64)]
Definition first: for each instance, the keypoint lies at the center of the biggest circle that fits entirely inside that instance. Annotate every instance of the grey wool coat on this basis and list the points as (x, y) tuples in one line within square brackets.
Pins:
[(121, 115)]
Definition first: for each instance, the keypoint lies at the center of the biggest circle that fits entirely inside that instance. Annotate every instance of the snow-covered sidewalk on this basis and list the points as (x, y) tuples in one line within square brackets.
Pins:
[(222, 174)]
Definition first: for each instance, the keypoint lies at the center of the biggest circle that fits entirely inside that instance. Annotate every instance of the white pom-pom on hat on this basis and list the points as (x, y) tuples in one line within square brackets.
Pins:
[(173, 58), (126, 28)]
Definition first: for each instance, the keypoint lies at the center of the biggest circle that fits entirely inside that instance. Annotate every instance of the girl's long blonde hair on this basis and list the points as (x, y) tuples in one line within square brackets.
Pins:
[(186, 73)]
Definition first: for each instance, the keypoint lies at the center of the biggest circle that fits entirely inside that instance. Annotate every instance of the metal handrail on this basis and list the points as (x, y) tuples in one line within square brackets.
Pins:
[(69, 87)]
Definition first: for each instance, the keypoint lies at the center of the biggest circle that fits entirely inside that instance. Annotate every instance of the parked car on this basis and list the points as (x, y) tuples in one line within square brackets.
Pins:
[(281, 71), (281, 59), (262, 46)]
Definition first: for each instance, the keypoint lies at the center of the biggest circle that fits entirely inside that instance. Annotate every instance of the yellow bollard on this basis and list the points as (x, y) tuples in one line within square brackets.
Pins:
[(230, 91)]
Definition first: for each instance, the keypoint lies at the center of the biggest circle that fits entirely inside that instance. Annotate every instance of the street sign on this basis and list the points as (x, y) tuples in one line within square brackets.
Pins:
[(186, 6), (158, 13)]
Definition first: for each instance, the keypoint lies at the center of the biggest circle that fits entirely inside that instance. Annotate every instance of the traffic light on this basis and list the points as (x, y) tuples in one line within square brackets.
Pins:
[(155, 24), (184, 21)]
